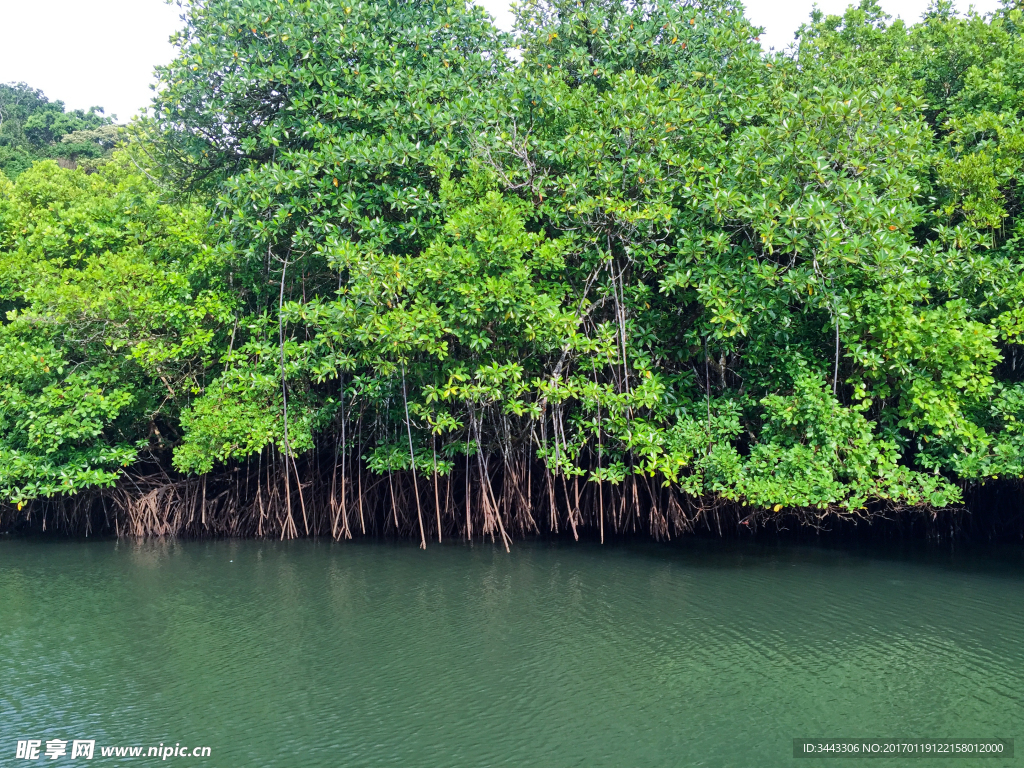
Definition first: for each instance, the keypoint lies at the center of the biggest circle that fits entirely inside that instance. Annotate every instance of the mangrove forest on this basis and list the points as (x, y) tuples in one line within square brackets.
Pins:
[(379, 268)]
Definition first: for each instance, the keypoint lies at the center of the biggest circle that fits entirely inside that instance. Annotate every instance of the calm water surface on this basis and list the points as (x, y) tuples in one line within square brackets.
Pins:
[(313, 654)]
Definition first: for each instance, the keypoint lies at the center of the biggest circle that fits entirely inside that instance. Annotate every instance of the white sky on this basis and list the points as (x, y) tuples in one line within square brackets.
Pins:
[(102, 52)]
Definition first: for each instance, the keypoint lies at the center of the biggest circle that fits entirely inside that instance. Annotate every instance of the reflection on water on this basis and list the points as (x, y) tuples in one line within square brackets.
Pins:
[(368, 654)]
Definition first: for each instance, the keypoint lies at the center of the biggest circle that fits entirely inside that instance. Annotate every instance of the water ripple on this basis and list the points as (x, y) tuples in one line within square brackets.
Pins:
[(375, 655)]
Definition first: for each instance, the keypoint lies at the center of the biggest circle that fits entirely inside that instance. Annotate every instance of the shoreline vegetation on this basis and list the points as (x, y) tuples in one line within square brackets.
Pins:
[(384, 269)]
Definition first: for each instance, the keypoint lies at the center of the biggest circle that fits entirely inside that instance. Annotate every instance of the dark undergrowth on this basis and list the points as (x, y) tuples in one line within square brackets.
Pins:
[(259, 500)]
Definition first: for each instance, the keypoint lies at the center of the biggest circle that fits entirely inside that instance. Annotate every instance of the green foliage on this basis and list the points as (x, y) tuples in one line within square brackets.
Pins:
[(111, 322), (639, 249), (33, 128)]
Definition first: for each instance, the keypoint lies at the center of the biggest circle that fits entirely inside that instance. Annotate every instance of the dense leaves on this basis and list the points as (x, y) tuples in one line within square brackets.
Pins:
[(32, 127), (637, 251), (110, 324)]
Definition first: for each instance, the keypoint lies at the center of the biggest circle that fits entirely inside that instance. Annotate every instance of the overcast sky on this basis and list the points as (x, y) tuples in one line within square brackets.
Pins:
[(102, 52)]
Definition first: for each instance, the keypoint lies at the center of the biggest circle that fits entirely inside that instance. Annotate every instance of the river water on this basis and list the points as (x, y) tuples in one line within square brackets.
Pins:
[(319, 654)]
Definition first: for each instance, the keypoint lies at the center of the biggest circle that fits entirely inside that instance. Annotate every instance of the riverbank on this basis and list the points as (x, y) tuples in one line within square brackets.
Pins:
[(457, 508)]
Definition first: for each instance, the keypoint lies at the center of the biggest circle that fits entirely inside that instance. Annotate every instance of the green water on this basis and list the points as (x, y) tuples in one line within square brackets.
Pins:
[(313, 654)]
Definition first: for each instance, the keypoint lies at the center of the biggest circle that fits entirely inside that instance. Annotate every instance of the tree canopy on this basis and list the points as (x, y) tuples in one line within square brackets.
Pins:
[(617, 269), (33, 128)]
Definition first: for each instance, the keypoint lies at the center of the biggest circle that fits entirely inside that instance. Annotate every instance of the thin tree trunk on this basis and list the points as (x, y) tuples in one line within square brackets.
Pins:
[(412, 460)]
